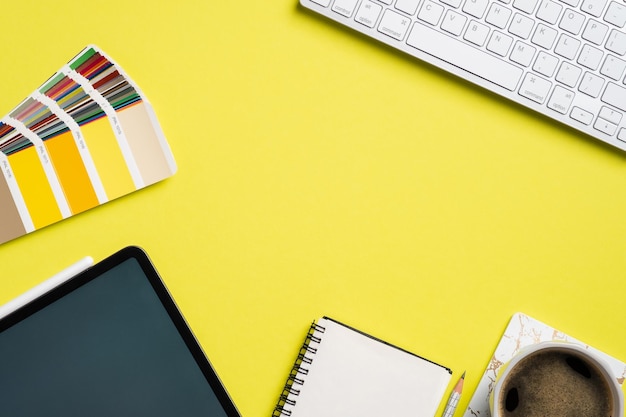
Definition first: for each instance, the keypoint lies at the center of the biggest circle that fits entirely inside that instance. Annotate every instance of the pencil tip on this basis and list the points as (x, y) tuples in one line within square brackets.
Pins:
[(463, 376)]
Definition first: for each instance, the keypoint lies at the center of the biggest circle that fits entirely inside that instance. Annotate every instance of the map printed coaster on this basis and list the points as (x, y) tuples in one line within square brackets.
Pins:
[(523, 331)]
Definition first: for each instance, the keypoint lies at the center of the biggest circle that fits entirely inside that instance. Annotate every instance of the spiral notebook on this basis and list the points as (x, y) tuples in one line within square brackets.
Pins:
[(341, 371)]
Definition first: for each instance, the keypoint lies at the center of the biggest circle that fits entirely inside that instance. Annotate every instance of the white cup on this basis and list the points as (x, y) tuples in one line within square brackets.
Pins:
[(576, 351)]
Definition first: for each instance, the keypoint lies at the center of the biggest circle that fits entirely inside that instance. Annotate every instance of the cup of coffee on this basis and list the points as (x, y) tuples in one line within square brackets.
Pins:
[(556, 379)]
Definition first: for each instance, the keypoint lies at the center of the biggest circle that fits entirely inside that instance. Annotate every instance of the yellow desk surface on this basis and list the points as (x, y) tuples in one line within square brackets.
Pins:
[(321, 173)]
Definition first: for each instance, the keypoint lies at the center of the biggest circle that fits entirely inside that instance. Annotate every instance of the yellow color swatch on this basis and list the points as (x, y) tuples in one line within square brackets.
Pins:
[(108, 158), (72, 173), (35, 187)]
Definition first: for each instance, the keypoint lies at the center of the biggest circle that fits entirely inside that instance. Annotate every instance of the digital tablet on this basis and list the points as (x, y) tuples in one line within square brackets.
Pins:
[(107, 342)]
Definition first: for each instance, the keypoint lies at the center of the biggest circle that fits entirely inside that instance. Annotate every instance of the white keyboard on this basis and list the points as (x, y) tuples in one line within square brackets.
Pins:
[(563, 58)]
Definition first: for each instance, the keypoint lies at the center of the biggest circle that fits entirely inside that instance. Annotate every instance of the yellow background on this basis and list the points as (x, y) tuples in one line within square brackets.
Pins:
[(321, 173)]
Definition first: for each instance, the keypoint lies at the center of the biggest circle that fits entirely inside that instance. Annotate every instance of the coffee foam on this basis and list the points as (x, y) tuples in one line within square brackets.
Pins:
[(555, 383)]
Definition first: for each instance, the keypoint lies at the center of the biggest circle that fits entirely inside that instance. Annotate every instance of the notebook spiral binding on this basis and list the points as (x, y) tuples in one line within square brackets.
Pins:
[(298, 371)]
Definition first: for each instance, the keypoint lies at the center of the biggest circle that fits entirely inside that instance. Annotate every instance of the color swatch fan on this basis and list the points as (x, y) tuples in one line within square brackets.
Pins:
[(85, 137)]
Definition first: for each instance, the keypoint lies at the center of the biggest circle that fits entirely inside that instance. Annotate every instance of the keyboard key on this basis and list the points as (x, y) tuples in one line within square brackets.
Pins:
[(521, 26), (476, 33), (616, 14), (344, 7), (545, 64), (544, 36), (407, 6), (475, 8), (526, 6), (605, 126), (523, 53), (622, 135), (591, 85), (590, 57), (617, 42), (593, 7), (453, 22), (567, 47), (464, 56), (615, 96), (430, 12), (394, 25), (368, 13), (572, 22), (611, 115), (595, 32), (583, 116), (549, 11), (535, 88), (613, 67), (498, 15), (499, 43), (568, 74), (561, 99)]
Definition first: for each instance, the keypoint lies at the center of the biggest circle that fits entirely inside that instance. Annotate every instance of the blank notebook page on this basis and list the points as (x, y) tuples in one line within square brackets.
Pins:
[(356, 375)]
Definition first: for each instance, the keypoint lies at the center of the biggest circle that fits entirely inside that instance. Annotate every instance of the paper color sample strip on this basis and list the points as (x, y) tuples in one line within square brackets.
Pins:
[(86, 136)]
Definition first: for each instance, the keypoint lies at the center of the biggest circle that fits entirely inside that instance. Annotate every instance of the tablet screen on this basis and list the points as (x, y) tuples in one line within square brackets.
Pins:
[(107, 343)]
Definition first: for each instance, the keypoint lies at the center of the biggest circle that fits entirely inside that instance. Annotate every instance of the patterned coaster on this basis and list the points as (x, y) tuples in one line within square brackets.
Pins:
[(523, 331)]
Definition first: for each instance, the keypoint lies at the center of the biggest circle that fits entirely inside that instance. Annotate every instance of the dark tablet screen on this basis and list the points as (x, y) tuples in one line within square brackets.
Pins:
[(109, 342)]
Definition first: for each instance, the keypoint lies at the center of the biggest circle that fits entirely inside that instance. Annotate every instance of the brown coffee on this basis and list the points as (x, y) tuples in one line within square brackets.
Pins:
[(555, 383)]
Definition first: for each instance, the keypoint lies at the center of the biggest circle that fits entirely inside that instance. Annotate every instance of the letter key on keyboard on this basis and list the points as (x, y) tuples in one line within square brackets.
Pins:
[(563, 58)]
